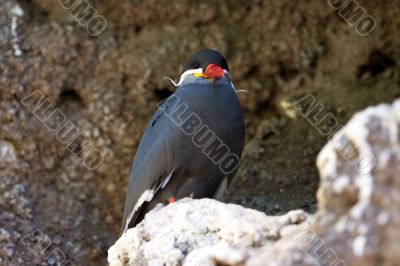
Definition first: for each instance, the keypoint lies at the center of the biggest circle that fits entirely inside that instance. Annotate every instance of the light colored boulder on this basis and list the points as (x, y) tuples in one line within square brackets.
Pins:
[(200, 232), (359, 193)]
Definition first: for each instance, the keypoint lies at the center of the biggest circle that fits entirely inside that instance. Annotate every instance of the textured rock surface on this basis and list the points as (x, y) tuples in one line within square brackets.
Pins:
[(203, 232), (359, 198), (109, 86)]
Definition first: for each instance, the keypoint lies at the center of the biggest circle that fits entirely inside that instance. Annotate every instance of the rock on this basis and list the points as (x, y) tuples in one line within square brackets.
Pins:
[(359, 193), (7, 151), (268, 127), (200, 232)]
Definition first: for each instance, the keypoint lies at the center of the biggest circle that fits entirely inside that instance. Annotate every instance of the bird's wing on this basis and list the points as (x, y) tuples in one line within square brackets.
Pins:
[(152, 166)]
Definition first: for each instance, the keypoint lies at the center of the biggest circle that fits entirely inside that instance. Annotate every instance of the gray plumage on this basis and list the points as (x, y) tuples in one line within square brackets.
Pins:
[(168, 163)]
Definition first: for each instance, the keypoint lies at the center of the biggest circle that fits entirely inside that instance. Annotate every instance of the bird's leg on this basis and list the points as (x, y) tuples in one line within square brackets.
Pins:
[(171, 199)]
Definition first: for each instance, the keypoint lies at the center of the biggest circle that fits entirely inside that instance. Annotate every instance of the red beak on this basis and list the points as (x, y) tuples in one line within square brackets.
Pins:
[(213, 71)]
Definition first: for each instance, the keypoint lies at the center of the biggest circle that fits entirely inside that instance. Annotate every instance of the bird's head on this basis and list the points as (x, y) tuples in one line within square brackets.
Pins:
[(206, 64)]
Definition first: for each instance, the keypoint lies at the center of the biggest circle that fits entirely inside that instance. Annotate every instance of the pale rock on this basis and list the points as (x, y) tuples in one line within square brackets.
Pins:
[(199, 232)]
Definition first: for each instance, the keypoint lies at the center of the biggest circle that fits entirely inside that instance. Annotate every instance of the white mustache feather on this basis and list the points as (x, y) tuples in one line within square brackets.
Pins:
[(198, 71), (184, 75)]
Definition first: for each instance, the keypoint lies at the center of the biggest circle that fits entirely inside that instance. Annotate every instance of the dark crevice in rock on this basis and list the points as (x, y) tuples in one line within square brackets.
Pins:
[(70, 96), (71, 104), (36, 13), (376, 64), (286, 71), (124, 79), (137, 29)]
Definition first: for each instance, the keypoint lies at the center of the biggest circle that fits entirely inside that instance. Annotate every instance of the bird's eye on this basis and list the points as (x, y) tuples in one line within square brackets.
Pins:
[(196, 65)]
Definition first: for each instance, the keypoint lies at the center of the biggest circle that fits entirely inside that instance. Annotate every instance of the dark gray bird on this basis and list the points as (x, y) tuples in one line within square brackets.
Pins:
[(193, 143)]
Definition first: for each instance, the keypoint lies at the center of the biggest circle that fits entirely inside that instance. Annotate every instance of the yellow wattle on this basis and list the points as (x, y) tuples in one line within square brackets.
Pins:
[(198, 74)]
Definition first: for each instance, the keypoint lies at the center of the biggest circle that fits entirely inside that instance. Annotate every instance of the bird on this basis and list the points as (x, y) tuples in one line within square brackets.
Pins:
[(192, 145)]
